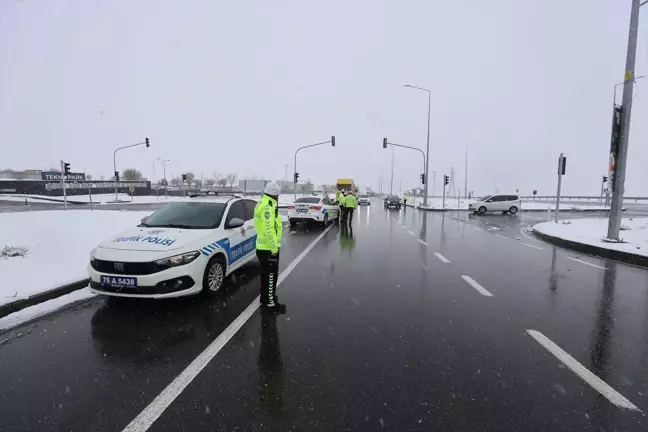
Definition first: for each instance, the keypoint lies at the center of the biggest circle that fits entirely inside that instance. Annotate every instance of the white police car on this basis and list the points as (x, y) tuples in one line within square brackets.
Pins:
[(183, 248), (313, 208)]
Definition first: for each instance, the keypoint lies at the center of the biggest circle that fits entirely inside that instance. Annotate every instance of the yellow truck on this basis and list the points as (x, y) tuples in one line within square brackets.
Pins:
[(345, 185)]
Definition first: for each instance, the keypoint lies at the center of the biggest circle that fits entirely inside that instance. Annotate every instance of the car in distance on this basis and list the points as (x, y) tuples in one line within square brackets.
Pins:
[(364, 200), (392, 201), (183, 248), (318, 209), (496, 203)]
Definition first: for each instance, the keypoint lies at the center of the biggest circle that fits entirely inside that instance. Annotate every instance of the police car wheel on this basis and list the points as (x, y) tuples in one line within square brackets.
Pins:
[(214, 276), (325, 221)]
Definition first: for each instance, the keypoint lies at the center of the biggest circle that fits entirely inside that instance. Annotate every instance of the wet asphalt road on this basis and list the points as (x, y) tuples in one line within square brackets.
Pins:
[(382, 333)]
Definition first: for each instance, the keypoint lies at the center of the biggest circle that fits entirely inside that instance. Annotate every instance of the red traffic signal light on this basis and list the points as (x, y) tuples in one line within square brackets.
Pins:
[(384, 142), (446, 179), (333, 141), (116, 175), (148, 144), (422, 178), (296, 177)]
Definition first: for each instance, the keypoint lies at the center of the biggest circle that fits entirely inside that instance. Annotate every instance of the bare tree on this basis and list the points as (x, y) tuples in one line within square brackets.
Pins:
[(231, 178), (308, 186), (190, 177), (163, 182), (131, 174), (222, 182), (210, 182), (88, 176), (198, 183), (175, 181)]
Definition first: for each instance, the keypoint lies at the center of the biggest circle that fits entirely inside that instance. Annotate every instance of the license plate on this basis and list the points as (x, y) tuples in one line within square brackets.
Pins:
[(119, 282), (302, 210)]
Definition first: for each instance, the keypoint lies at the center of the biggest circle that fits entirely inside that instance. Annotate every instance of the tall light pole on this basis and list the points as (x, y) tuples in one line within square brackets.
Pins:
[(391, 184), (145, 142), (427, 149), (164, 161), (620, 159), (296, 174)]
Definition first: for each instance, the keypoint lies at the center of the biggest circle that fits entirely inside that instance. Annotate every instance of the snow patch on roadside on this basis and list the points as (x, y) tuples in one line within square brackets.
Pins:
[(592, 232), (59, 244)]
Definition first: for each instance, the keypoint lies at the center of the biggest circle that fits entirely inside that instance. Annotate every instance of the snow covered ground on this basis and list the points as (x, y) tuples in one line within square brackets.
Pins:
[(634, 232), (58, 245), (451, 203)]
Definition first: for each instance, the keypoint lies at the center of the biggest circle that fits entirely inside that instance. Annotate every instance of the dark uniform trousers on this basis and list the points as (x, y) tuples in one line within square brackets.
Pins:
[(269, 276)]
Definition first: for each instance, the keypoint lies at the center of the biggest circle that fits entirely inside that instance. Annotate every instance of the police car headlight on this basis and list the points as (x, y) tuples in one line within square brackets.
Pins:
[(178, 260)]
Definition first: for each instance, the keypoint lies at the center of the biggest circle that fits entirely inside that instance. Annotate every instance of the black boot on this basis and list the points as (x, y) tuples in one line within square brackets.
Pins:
[(277, 308)]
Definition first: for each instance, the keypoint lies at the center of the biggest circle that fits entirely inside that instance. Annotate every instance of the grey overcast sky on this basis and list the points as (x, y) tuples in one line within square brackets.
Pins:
[(239, 85)]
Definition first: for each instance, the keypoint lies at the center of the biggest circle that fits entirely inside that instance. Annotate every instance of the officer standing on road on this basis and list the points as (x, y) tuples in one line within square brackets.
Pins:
[(405, 201), (351, 203), (342, 204), (269, 230)]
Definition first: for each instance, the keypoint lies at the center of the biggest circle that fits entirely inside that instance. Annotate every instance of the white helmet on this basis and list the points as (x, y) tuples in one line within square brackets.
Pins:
[(272, 188)]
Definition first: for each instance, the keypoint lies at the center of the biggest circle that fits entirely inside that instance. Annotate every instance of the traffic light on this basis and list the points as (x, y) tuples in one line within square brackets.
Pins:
[(296, 177), (184, 177), (605, 179), (384, 142), (446, 179), (116, 175), (66, 168), (148, 144), (422, 178), (333, 141)]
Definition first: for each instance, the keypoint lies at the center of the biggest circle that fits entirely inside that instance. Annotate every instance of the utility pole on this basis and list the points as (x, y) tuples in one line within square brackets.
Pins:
[(466, 175), (562, 165), (433, 183), (619, 160), (391, 185)]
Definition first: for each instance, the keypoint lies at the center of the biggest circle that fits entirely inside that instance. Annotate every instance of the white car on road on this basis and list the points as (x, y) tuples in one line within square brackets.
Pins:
[(364, 200), (500, 203), (318, 209), (183, 248)]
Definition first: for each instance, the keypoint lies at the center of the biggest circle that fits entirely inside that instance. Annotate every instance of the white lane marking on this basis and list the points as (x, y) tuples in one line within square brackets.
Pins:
[(598, 384), (473, 283), (501, 236), (477, 229), (531, 246), (585, 262), (441, 257), (155, 409), (424, 267), (410, 233), (422, 242)]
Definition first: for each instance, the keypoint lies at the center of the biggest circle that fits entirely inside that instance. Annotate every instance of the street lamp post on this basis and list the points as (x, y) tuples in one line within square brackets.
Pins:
[(164, 161), (387, 143), (620, 159), (331, 141), (427, 149), (145, 142)]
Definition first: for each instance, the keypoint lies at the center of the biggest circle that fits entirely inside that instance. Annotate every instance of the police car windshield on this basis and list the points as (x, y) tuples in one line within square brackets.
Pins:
[(190, 215), (309, 200)]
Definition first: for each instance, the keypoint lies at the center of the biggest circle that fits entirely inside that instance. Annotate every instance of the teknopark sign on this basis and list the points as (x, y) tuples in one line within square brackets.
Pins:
[(56, 176)]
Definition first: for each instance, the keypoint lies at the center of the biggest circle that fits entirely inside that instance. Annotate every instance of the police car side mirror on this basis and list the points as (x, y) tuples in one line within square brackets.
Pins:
[(235, 223)]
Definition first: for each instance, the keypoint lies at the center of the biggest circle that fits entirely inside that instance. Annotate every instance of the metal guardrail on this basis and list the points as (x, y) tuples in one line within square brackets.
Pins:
[(576, 198)]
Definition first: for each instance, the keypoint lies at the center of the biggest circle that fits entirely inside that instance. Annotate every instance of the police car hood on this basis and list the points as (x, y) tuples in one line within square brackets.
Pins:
[(154, 239)]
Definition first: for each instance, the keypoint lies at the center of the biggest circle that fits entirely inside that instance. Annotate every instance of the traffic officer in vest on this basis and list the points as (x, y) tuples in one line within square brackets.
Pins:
[(405, 198), (350, 203), (341, 203), (269, 230)]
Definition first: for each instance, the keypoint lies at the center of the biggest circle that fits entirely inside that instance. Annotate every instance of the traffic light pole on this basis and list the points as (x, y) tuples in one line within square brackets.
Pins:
[(63, 184), (618, 180), (331, 141), (146, 143), (418, 150)]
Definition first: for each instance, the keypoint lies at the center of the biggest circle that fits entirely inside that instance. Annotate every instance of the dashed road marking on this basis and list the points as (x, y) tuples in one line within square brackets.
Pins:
[(424, 267), (501, 236), (154, 410), (410, 233), (480, 289), (531, 246), (422, 242), (598, 384), (477, 229), (441, 257), (587, 263)]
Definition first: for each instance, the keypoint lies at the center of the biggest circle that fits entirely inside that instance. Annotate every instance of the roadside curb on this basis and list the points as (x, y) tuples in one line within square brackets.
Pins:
[(625, 257), (15, 306), (567, 210)]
